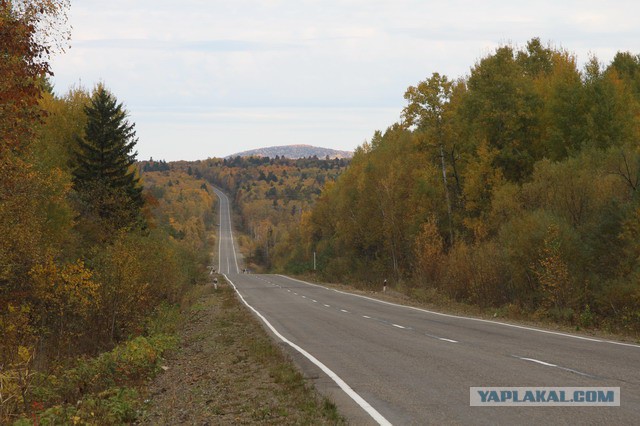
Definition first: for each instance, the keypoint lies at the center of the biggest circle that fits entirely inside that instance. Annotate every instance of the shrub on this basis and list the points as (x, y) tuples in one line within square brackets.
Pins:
[(98, 390)]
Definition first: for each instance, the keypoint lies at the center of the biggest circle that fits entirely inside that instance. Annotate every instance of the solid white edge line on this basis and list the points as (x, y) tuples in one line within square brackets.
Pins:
[(221, 195), (521, 327), (219, 232), (233, 245), (341, 383)]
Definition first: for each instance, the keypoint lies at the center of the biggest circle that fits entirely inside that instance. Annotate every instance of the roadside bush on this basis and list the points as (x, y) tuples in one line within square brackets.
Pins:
[(131, 362), (114, 406), (490, 284), (618, 300), (99, 390), (16, 359), (458, 273)]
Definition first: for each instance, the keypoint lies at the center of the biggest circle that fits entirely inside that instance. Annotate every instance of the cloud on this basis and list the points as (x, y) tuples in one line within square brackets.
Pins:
[(267, 56), (200, 133), (183, 46)]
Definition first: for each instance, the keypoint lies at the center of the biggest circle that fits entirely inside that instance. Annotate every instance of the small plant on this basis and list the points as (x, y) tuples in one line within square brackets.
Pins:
[(586, 317), (113, 406)]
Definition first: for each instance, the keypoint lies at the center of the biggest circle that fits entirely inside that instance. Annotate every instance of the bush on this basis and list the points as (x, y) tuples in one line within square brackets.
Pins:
[(586, 317), (114, 406), (98, 390)]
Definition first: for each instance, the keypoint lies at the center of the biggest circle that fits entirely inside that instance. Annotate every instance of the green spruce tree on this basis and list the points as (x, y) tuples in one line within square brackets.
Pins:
[(105, 180)]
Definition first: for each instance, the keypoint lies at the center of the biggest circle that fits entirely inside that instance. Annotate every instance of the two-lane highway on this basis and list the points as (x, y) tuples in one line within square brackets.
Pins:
[(388, 363), (229, 258)]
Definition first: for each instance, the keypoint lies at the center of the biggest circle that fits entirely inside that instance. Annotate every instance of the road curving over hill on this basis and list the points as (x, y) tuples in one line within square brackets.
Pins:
[(391, 364)]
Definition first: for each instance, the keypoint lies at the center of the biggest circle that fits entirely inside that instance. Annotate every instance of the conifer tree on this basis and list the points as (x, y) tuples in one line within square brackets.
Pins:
[(107, 184)]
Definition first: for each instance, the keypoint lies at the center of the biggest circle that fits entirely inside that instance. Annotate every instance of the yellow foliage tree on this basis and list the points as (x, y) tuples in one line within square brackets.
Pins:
[(552, 271), (124, 288), (66, 297), (429, 250)]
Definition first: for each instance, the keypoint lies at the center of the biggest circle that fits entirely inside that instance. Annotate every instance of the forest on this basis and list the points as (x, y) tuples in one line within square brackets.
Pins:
[(270, 196), (514, 188), (91, 250)]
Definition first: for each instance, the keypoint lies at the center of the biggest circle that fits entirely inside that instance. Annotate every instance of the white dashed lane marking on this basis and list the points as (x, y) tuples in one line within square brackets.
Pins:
[(538, 361), (402, 327), (548, 364)]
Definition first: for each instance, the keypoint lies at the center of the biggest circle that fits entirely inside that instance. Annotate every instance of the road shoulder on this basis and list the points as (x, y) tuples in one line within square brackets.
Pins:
[(228, 371)]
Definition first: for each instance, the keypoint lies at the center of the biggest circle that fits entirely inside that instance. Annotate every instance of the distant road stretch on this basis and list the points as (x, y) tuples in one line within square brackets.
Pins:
[(389, 364)]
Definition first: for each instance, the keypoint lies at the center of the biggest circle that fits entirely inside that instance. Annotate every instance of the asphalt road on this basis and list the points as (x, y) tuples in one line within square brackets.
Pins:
[(385, 363)]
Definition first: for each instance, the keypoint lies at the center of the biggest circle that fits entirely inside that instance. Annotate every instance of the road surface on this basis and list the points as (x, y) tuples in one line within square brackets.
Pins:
[(389, 364)]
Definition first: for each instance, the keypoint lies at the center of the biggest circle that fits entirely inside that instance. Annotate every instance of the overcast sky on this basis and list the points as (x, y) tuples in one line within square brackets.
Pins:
[(208, 78)]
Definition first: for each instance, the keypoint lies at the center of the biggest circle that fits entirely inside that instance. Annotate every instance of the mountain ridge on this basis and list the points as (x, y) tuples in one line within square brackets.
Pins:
[(294, 152)]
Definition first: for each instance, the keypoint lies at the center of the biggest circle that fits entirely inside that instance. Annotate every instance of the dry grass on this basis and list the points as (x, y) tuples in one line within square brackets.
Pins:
[(228, 371)]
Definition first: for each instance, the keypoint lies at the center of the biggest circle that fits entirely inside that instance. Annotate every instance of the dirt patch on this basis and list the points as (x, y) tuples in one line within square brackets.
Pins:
[(228, 371)]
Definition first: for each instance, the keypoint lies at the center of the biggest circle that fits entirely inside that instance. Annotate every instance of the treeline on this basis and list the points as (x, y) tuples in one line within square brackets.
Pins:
[(270, 195), (515, 188), (85, 253)]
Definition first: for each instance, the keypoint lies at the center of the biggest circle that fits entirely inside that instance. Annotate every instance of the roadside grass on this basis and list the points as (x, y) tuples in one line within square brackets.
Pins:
[(106, 389), (254, 380), (294, 401)]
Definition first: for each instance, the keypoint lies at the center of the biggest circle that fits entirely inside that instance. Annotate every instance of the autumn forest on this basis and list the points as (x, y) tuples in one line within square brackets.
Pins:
[(88, 256), (514, 189)]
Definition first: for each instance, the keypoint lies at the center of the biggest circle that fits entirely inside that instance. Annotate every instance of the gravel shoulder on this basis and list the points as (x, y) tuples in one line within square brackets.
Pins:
[(227, 370)]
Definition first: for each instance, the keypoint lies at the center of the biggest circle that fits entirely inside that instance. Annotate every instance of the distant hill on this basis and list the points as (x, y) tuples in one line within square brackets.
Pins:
[(294, 152)]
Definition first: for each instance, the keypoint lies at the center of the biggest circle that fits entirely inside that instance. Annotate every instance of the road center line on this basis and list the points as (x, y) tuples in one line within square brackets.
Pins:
[(345, 311), (548, 364), (440, 338), (398, 326), (537, 361), (504, 324)]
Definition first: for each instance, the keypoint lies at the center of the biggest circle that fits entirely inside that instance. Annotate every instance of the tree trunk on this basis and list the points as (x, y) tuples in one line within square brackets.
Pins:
[(446, 193)]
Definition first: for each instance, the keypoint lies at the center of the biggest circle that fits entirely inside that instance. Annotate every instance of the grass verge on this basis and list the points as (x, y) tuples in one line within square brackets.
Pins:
[(229, 371), (217, 365), (106, 389)]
